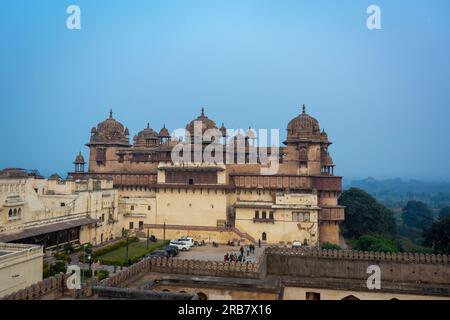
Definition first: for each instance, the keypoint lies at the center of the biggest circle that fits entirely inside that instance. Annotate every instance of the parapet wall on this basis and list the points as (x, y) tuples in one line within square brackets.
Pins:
[(352, 265), (49, 288), (186, 267)]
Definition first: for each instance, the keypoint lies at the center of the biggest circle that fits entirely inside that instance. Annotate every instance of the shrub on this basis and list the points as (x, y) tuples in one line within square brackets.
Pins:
[(330, 246)]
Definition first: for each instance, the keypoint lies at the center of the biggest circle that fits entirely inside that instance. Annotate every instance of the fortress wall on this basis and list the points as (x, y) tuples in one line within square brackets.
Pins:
[(395, 267)]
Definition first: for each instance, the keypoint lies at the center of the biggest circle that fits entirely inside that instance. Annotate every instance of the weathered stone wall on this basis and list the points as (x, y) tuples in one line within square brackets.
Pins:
[(352, 265), (47, 289)]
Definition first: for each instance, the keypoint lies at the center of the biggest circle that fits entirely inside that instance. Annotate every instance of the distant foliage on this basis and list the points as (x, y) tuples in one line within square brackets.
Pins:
[(364, 215), (437, 236), (444, 213), (376, 244), (417, 215), (330, 246)]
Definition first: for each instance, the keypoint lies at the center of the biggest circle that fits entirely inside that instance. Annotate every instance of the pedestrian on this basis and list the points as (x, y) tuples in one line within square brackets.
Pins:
[(248, 250), (242, 250), (259, 243), (225, 257)]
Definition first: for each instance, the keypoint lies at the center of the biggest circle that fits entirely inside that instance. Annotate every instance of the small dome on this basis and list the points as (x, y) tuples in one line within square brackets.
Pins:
[(109, 131), (147, 137), (324, 136), (303, 127), (206, 123), (250, 134), (164, 133), (55, 176), (79, 159), (326, 159)]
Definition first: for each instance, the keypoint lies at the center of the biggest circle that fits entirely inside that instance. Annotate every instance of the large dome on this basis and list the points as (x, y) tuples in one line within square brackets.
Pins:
[(110, 131), (303, 127), (206, 123)]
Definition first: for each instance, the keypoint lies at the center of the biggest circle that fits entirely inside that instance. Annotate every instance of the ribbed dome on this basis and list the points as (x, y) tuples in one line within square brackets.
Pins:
[(303, 127), (206, 123), (164, 133), (146, 137), (110, 131), (79, 159)]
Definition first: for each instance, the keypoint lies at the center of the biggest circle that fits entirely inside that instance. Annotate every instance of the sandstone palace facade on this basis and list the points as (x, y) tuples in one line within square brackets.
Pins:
[(220, 201)]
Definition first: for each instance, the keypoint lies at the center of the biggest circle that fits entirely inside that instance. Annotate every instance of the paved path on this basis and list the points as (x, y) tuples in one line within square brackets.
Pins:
[(211, 253)]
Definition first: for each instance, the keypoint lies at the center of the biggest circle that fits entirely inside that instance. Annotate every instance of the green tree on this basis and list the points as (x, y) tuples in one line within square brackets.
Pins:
[(444, 213), (364, 215), (437, 236), (417, 215), (376, 244)]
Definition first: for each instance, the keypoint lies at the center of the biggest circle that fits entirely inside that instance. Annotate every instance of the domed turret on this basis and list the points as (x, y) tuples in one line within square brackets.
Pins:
[(204, 121), (146, 138), (79, 163), (164, 133), (303, 127), (110, 132), (223, 130)]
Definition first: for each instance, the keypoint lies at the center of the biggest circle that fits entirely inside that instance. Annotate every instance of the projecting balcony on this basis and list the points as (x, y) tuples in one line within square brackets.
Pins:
[(263, 220), (332, 214)]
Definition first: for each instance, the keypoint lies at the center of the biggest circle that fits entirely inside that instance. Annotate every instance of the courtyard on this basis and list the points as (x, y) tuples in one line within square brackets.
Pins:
[(211, 253)]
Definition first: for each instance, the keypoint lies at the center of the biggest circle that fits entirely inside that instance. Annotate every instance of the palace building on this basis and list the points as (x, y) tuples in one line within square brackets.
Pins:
[(220, 200)]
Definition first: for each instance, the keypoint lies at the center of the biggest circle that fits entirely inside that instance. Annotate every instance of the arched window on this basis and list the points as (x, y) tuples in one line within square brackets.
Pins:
[(306, 217), (15, 212), (264, 236), (271, 215), (10, 213), (20, 211), (264, 215), (350, 297), (202, 296), (256, 214)]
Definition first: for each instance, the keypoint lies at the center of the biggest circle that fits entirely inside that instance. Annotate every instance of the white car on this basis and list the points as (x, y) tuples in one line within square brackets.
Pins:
[(182, 246), (187, 240), (296, 244)]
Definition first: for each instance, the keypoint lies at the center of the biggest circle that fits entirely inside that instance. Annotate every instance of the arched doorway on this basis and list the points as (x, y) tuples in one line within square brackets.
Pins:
[(350, 297), (264, 236)]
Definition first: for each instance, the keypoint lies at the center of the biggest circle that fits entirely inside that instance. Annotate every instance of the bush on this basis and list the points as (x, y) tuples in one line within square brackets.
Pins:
[(114, 246), (102, 274), (330, 246), (376, 244)]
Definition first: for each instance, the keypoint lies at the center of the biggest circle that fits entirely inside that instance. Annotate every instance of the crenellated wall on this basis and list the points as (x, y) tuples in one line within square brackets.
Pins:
[(410, 268)]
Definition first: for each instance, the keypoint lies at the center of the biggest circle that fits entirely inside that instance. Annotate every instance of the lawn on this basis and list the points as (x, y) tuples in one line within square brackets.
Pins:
[(136, 250)]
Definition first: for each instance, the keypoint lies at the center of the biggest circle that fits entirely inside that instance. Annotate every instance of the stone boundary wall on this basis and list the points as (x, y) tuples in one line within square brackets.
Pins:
[(187, 267), (352, 265), (49, 288), (362, 255)]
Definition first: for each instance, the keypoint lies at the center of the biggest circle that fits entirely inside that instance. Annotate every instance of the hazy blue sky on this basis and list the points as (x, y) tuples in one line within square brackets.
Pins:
[(383, 96)]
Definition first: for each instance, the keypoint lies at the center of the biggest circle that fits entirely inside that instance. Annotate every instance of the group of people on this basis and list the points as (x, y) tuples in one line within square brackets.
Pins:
[(233, 257)]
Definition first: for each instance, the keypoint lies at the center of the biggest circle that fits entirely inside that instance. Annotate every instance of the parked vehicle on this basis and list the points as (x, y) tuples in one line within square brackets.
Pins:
[(188, 240), (296, 244), (158, 254), (172, 250), (183, 246)]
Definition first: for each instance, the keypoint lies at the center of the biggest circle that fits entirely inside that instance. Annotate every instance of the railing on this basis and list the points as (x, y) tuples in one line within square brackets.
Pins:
[(263, 220)]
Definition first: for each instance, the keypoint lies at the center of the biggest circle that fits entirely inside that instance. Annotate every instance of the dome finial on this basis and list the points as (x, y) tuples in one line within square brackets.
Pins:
[(203, 111), (148, 125), (304, 109), (110, 113)]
